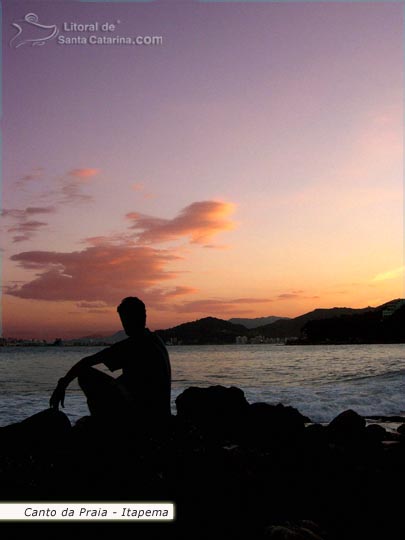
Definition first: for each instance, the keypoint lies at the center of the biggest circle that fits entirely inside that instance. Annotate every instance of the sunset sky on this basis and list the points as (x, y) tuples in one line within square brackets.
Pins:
[(250, 165)]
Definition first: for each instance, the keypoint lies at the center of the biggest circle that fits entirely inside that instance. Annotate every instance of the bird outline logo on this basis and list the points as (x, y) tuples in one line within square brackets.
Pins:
[(29, 26)]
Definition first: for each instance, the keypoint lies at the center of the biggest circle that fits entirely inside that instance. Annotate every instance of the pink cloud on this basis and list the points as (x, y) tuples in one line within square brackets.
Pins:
[(138, 186), (180, 291), (111, 267), (103, 273), (157, 297), (199, 221), (84, 173), (116, 239)]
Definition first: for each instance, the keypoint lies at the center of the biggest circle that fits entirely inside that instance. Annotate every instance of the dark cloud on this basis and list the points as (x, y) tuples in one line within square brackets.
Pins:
[(24, 226), (23, 214), (25, 229)]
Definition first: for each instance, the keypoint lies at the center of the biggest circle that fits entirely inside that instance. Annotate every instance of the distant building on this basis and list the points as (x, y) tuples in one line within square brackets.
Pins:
[(241, 340), (257, 340), (174, 341)]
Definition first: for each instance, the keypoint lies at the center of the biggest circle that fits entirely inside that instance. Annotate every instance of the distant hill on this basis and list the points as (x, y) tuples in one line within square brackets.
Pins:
[(97, 340), (292, 327), (258, 321), (340, 324), (118, 336), (204, 331), (217, 331), (384, 324)]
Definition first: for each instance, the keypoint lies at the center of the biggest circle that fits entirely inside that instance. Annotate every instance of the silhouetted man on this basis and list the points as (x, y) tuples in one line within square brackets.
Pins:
[(143, 389)]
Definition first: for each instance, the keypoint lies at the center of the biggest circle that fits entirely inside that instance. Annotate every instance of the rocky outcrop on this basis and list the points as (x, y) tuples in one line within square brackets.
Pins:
[(234, 470)]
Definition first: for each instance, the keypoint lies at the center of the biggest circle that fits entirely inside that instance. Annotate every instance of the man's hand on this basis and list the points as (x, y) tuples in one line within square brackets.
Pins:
[(58, 395)]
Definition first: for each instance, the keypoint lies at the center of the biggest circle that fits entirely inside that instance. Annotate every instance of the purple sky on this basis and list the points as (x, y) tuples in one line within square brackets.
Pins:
[(285, 117)]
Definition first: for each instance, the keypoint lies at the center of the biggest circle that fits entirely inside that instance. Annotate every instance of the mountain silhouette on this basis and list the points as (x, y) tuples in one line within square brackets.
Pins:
[(212, 330), (256, 322), (293, 327)]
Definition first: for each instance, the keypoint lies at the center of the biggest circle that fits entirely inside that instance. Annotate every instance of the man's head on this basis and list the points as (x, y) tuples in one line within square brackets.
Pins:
[(132, 313)]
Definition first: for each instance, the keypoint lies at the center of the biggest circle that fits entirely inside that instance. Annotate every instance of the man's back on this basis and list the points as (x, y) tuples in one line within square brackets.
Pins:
[(146, 372)]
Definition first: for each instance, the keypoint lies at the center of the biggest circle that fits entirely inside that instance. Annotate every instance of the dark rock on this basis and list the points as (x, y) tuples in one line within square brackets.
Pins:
[(401, 429), (347, 425), (290, 532), (47, 428), (216, 410), (316, 434), (380, 418), (272, 470), (268, 425), (376, 433)]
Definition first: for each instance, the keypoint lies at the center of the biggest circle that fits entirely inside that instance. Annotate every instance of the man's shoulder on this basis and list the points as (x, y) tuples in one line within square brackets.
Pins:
[(153, 336), (156, 340), (146, 340), (146, 337), (124, 343)]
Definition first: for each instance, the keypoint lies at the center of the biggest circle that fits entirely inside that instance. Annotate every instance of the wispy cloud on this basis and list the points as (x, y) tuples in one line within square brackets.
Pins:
[(33, 176), (139, 188), (69, 188), (220, 305), (26, 230), (29, 211), (295, 295), (199, 222), (72, 186), (389, 274), (91, 305), (215, 246), (25, 227)]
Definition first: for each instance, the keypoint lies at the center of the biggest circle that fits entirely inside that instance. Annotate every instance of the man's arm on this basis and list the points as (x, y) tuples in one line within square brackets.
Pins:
[(58, 395)]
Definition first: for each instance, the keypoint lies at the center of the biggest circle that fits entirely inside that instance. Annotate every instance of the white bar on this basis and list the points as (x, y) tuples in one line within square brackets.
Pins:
[(67, 511)]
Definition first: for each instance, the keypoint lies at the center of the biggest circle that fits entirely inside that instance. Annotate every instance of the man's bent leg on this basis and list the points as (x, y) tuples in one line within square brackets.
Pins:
[(105, 397)]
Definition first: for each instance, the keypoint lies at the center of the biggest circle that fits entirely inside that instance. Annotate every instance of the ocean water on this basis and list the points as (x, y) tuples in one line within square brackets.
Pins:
[(321, 381)]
